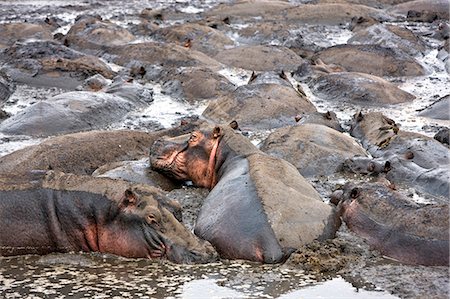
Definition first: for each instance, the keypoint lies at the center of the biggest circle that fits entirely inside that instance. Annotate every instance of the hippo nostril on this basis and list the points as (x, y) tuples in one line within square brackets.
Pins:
[(336, 197), (354, 193)]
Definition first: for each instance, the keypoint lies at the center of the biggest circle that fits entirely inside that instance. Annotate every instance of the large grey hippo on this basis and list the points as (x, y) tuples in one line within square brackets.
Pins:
[(399, 228), (259, 207)]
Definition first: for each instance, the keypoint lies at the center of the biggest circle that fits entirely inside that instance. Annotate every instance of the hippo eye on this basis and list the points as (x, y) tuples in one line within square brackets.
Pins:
[(354, 193), (153, 219), (194, 137)]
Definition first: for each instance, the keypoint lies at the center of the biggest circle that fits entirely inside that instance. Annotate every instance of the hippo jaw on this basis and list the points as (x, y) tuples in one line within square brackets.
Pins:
[(193, 160)]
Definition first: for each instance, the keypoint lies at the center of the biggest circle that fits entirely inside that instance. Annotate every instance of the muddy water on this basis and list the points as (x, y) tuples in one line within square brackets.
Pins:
[(104, 276)]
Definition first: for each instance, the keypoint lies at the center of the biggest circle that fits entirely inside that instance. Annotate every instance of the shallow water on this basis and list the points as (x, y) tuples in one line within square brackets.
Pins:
[(105, 276)]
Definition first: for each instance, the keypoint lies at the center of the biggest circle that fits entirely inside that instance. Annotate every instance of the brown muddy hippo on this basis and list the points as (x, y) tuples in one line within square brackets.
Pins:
[(259, 207), (399, 228), (58, 212), (42, 220)]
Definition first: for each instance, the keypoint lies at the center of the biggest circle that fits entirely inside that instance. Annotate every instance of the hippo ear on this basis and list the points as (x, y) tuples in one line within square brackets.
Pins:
[(359, 116), (217, 132), (387, 166), (328, 115), (234, 125), (129, 199), (252, 77), (354, 193)]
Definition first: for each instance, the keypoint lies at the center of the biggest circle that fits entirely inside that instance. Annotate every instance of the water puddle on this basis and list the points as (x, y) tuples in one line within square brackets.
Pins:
[(105, 276)]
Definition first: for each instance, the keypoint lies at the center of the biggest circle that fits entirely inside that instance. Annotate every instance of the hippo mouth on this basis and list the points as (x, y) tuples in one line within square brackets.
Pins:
[(170, 162), (171, 166), (157, 248)]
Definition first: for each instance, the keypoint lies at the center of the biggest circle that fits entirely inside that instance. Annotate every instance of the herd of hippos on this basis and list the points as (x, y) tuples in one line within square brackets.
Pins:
[(260, 206)]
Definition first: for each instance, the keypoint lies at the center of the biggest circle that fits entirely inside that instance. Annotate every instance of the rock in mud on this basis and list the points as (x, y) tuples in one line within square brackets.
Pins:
[(314, 149), (260, 58), (371, 59), (358, 88)]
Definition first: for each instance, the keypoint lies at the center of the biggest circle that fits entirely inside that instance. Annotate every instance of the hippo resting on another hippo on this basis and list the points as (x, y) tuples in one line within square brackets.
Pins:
[(415, 160), (55, 212), (399, 228), (259, 208)]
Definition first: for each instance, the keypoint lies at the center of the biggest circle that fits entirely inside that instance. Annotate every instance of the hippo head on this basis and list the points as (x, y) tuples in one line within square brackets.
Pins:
[(188, 157), (156, 233)]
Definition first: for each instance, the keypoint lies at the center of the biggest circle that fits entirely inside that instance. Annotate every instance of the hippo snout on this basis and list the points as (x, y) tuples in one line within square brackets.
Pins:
[(336, 197), (181, 255)]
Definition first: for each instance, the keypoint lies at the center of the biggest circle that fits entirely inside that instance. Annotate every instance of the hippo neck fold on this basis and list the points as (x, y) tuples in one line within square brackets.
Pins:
[(211, 170)]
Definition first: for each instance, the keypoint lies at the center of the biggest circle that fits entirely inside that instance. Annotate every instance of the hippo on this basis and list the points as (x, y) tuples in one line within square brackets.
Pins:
[(411, 233), (43, 220), (415, 160), (259, 208), (60, 212)]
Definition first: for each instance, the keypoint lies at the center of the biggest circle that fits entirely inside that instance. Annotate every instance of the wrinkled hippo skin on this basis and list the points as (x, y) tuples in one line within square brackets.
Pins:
[(443, 136), (438, 110), (415, 160), (136, 172), (7, 88), (90, 201), (91, 32), (78, 111), (399, 228), (358, 88), (195, 36), (259, 207), (371, 59), (51, 64), (313, 149), (13, 32), (263, 105), (83, 153)]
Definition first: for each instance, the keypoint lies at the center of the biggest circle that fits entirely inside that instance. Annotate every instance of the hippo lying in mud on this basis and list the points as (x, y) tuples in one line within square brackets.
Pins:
[(39, 216), (259, 208), (415, 160), (408, 232)]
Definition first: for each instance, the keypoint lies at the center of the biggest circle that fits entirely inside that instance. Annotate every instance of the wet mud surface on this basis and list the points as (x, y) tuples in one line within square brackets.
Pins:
[(341, 268)]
